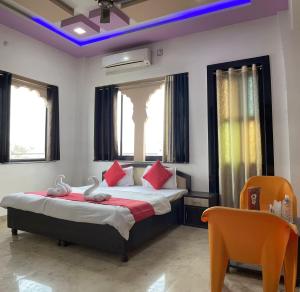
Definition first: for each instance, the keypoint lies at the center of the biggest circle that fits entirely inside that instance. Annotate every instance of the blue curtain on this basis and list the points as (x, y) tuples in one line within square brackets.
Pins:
[(5, 84), (53, 139), (105, 146), (180, 117)]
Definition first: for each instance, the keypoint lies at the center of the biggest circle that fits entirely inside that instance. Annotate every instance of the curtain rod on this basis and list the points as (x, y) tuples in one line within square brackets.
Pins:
[(29, 81), (137, 84), (237, 70)]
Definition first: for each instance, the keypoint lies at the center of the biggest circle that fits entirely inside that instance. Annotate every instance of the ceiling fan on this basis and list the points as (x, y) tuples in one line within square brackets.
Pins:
[(107, 5)]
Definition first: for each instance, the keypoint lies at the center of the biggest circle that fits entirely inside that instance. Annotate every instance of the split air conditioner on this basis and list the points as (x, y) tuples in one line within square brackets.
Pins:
[(127, 60)]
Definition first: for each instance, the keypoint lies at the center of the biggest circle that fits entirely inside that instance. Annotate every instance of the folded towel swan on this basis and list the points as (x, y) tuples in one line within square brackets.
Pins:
[(60, 189), (92, 195), (59, 180)]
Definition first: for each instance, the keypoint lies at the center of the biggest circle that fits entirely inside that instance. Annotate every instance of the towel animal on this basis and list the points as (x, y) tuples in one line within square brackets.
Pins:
[(59, 180), (60, 189), (92, 195)]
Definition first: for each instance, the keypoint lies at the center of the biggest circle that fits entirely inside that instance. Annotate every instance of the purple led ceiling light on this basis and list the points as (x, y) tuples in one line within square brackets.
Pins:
[(174, 17)]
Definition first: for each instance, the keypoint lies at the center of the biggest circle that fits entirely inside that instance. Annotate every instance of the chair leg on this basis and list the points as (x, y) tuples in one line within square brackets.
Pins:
[(271, 270), (290, 263), (14, 231), (271, 278), (218, 264)]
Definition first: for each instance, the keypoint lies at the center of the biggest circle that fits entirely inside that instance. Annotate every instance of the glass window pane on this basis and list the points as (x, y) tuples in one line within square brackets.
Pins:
[(154, 129), (119, 115), (27, 124), (125, 129)]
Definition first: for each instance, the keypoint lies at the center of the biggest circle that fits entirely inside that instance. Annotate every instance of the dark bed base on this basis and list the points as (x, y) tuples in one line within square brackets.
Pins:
[(104, 237)]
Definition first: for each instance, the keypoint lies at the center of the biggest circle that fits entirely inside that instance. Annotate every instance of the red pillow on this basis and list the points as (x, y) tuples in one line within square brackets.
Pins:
[(157, 175), (114, 174)]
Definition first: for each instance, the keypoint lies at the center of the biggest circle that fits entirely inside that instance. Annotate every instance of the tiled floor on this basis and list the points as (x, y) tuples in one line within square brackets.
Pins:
[(177, 261)]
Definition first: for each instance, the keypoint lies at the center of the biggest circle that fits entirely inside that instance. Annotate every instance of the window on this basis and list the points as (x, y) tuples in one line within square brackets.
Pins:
[(143, 120), (140, 113), (154, 130), (29, 127), (28, 113), (125, 126), (240, 125)]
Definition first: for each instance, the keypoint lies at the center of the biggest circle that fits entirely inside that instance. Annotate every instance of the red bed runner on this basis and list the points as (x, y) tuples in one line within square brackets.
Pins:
[(140, 210)]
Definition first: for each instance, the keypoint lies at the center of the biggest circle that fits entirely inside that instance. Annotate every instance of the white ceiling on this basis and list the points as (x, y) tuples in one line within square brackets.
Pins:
[(45, 8), (82, 6), (151, 9), (142, 11)]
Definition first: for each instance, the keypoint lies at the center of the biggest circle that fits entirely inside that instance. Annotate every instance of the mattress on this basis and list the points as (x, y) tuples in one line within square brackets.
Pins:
[(118, 217), (170, 194)]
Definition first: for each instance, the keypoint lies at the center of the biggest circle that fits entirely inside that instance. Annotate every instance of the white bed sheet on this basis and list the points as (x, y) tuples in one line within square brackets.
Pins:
[(170, 194), (118, 217)]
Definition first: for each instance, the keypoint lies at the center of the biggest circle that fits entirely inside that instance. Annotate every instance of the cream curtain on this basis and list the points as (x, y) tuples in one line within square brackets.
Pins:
[(168, 120), (239, 136)]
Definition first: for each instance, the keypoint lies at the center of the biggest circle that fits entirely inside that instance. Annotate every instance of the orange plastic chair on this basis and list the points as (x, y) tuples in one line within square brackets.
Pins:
[(252, 237), (272, 188)]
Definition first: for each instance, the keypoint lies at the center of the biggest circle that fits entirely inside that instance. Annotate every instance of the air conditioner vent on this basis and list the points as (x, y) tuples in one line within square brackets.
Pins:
[(127, 60)]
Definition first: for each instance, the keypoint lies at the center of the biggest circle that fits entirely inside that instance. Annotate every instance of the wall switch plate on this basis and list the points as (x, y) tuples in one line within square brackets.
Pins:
[(160, 52)]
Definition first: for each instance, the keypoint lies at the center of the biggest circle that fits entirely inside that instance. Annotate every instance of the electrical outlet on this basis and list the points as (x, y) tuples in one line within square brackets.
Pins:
[(160, 52)]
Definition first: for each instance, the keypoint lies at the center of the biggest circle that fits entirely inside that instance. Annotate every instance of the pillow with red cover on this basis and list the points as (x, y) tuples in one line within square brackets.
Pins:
[(157, 175), (114, 174)]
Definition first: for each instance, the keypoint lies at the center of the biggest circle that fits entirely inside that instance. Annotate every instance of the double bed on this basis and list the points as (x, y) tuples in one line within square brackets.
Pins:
[(109, 228)]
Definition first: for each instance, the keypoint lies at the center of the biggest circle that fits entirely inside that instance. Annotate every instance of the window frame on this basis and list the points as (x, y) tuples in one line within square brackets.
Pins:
[(46, 135), (148, 158), (266, 123)]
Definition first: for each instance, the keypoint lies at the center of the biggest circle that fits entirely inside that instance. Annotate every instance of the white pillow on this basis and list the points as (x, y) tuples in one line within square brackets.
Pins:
[(171, 183), (125, 181)]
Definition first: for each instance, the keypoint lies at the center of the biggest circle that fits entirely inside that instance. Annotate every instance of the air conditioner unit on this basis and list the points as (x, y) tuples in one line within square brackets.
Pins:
[(127, 60)]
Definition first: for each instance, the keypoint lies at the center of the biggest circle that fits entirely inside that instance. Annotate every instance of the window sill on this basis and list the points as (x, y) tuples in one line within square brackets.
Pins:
[(153, 158), (149, 162), (27, 162)]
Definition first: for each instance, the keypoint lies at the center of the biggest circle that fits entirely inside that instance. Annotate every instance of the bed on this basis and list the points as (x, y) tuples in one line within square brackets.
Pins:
[(57, 221)]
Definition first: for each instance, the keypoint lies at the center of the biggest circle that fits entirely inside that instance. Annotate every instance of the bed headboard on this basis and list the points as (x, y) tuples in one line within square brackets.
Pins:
[(183, 179)]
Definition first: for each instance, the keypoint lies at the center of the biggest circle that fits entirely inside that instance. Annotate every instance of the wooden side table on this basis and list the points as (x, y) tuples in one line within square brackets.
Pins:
[(195, 203)]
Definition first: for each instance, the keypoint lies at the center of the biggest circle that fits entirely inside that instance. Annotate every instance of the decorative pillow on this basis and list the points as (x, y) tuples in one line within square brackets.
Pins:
[(157, 175), (114, 174), (126, 181), (170, 184)]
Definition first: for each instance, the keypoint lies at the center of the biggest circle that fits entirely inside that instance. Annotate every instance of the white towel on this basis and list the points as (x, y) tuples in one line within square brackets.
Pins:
[(60, 189), (93, 187), (59, 180), (97, 197), (91, 194)]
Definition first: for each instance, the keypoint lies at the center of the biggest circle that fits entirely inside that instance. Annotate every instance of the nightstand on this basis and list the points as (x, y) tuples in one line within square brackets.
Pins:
[(195, 203)]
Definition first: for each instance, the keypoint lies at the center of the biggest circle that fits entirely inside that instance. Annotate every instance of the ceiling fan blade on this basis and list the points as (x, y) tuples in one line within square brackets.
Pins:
[(127, 3)]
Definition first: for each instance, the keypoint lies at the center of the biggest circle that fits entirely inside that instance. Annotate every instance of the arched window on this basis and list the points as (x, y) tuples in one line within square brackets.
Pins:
[(154, 130), (125, 126), (28, 113)]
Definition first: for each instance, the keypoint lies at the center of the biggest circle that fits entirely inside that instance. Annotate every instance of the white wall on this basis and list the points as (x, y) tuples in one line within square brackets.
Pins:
[(27, 57), (77, 79), (192, 54), (291, 51)]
